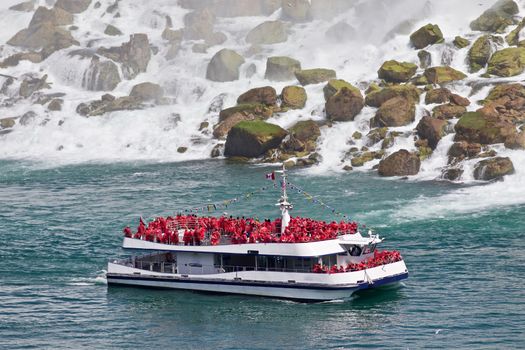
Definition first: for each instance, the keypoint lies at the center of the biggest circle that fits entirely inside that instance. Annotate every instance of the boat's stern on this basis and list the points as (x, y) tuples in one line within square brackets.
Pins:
[(386, 274)]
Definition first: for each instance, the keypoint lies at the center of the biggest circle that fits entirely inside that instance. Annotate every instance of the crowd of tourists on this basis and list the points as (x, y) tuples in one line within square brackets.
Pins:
[(379, 258)]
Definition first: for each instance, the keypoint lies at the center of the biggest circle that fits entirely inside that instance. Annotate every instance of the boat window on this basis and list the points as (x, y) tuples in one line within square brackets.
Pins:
[(355, 250), (369, 249)]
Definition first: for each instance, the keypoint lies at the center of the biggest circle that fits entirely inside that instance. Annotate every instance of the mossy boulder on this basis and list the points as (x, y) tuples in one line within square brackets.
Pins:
[(443, 74), (462, 150), (6, 123), (480, 52), (303, 138), (425, 59), (493, 168), (281, 68), (512, 92), (460, 42), (334, 85), (344, 105), (507, 62), (224, 66), (396, 72), (293, 97), (476, 127), (397, 111), (267, 33), (516, 141), (253, 138), (448, 111), (111, 30), (375, 98), (497, 18), (257, 110), (400, 163), (432, 130), (265, 95), (513, 38), (376, 135), (314, 76), (426, 35), (361, 158), (440, 95)]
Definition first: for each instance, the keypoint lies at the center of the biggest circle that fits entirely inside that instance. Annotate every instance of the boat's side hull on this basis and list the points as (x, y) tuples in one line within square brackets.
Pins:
[(319, 287)]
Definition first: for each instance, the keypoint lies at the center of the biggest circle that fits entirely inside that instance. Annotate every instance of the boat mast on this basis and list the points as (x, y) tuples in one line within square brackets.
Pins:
[(283, 203)]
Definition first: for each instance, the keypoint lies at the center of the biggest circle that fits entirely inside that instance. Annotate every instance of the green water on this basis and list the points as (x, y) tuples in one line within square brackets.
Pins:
[(60, 225)]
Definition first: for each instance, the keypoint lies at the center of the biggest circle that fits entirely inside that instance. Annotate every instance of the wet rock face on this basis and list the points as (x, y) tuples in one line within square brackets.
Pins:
[(264, 95), (199, 24), (102, 75), (108, 103), (400, 163), (344, 105), (281, 68), (267, 33), (476, 127), (480, 52), (134, 55), (147, 92), (224, 66), (426, 35), (396, 72), (497, 18), (55, 16), (377, 97), (293, 97), (507, 62), (462, 150), (397, 111), (296, 10), (32, 84), (253, 138), (493, 168), (73, 6), (448, 111), (432, 130), (443, 74), (314, 76)]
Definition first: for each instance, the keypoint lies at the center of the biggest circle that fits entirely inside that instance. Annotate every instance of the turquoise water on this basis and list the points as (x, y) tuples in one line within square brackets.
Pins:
[(60, 225)]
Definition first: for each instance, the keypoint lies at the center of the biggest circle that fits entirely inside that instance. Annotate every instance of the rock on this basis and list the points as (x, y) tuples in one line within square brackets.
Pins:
[(199, 24), (108, 103), (460, 42), (296, 10), (425, 59), (7, 123), (281, 68), (13, 60), (396, 72), (55, 104), (493, 168), (46, 36), (426, 35), (55, 16), (376, 98), (452, 174), (497, 18), (264, 95), (441, 95), (516, 141), (461, 150), (27, 118), (314, 76), (182, 149), (507, 62), (443, 74), (448, 111), (253, 138), (400, 163), (340, 32), (267, 33), (224, 66), (293, 97), (348, 168), (306, 131), (459, 100), (134, 55), (376, 135), (256, 110), (345, 105), (334, 85), (479, 54), (513, 38), (432, 130), (30, 85), (73, 6), (357, 135), (112, 30), (222, 129), (216, 151), (476, 127), (102, 75), (204, 125), (362, 158), (147, 92), (512, 92), (174, 48), (172, 35), (397, 111), (26, 6), (216, 39)]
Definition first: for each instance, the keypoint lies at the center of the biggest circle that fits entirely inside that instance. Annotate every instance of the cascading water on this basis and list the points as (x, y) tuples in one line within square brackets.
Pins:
[(380, 32)]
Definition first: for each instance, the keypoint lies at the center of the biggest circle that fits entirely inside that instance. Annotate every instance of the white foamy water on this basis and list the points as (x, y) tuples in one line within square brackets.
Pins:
[(155, 134)]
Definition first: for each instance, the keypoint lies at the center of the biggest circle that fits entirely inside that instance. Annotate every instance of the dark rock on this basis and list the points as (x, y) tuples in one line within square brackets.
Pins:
[(30, 85), (441, 95), (147, 92), (460, 42), (73, 6), (281, 68), (516, 141), (400, 163), (134, 55), (426, 35), (264, 95), (293, 97), (102, 75), (507, 62), (432, 130), (345, 105), (55, 104), (334, 85), (376, 135), (55, 16), (396, 72), (452, 174), (253, 138), (377, 97), (425, 59), (46, 36), (112, 30), (443, 74), (493, 168), (476, 127), (497, 18), (224, 66), (107, 104), (448, 111), (314, 76), (397, 111)]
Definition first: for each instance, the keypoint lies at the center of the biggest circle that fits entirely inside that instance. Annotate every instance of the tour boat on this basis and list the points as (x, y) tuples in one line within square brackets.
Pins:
[(292, 258)]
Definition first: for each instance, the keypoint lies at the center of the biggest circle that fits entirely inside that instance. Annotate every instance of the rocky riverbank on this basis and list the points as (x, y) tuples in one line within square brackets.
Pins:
[(456, 96)]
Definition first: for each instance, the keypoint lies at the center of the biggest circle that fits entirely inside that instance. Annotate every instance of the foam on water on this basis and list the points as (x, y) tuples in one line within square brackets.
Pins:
[(155, 134)]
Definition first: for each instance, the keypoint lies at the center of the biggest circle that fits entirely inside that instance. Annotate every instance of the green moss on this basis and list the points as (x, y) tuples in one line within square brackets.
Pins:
[(314, 76), (497, 18), (306, 130), (460, 42), (472, 120), (377, 97), (293, 97), (397, 72), (258, 128), (513, 37), (258, 110), (479, 53), (507, 62), (426, 35), (334, 85), (443, 74)]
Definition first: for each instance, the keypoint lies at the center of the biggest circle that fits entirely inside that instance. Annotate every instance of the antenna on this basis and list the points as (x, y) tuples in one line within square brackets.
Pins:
[(283, 203)]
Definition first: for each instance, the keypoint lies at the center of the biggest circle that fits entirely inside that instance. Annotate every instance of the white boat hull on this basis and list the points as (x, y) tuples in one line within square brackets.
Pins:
[(297, 286)]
